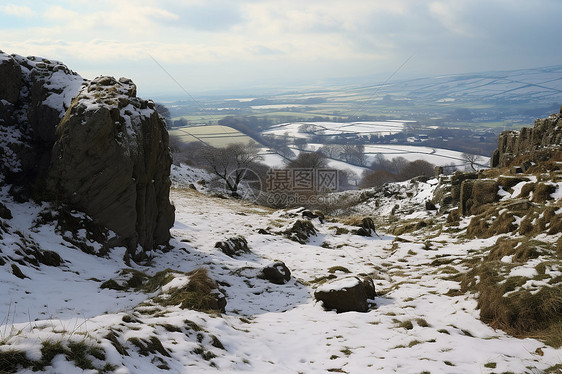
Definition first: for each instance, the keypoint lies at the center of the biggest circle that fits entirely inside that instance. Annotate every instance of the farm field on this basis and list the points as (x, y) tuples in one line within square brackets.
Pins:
[(336, 128), (213, 135)]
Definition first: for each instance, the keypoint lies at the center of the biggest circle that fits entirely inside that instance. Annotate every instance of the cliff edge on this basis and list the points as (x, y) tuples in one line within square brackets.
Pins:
[(530, 145)]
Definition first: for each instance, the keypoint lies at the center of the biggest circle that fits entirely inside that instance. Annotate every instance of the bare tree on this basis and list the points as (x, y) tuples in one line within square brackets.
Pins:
[(309, 160), (231, 164), (330, 150), (474, 161), (353, 153), (376, 178), (300, 143), (307, 128), (416, 169)]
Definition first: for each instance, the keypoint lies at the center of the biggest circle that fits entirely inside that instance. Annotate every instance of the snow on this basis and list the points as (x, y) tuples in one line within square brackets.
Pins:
[(67, 85), (267, 328), (340, 284), (336, 128)]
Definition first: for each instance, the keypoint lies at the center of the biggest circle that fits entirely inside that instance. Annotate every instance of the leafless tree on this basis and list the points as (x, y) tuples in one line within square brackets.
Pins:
[(376, 178), (307, 128), (416, 169), (353, 153), (330, 150), (165, 113), (309, 160), (231, 164), (474, 161)]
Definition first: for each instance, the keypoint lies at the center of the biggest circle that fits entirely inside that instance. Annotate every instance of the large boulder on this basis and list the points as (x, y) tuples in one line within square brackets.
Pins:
[(477, 192), (34, 95), (346, 294), (111, 160)]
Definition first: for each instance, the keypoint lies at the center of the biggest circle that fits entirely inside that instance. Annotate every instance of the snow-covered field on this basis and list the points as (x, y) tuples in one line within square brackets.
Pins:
[(436, 156), (417, 326), (336, 128)]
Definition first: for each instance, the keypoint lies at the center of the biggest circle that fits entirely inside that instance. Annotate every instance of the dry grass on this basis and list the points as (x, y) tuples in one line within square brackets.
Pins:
[(527, 189), (199, 294), (521, 249), (503, 304), (491, 222), (542, 192)]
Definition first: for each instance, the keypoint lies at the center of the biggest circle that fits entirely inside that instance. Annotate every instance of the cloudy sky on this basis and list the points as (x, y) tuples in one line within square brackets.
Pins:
[(241, 44)]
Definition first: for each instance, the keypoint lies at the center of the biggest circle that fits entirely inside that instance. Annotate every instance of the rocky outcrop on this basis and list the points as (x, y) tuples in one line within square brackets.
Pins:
[(34, 95), (476, 193), (111, 160), (531, 145)]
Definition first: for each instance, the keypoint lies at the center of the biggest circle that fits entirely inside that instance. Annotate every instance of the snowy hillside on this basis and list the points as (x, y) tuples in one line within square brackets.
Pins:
[(99, 314)]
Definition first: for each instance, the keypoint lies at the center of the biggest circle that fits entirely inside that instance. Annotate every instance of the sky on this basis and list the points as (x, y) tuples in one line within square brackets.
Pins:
[(209, 45)]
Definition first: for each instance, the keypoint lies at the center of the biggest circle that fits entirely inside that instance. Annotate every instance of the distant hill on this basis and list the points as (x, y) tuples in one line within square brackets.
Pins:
[(492, 99)]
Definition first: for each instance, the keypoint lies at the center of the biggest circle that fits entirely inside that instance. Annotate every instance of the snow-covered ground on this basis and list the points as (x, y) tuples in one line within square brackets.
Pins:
[(436, 156), (418, 324), (335, 128)]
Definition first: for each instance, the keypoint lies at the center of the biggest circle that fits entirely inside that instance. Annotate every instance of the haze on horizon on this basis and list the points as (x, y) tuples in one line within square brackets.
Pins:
[(238, 45)]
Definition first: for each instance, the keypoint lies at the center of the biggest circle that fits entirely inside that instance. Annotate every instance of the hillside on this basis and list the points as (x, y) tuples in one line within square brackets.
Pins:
[(419, 321), (113, 260), (488, 99)]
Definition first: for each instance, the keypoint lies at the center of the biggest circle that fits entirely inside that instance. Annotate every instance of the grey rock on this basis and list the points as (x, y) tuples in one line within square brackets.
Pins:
[(354, 297), (529, 144), (277, 273), (111, 160)]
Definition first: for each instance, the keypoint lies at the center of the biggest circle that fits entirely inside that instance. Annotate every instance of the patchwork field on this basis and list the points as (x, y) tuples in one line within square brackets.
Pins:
[(214, 135)]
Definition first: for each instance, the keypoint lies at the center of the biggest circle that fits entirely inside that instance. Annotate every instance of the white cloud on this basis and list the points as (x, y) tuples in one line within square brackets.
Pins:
[(450, 15), (17, 10), (272, 37)]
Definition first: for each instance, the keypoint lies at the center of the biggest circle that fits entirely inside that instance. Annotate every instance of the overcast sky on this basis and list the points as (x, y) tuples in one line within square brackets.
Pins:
[(225, 44)]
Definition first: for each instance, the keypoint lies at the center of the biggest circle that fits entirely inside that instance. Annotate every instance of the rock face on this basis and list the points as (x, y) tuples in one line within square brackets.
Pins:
[(477, 192), (530, 144), (34, 95), (111, 160)]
